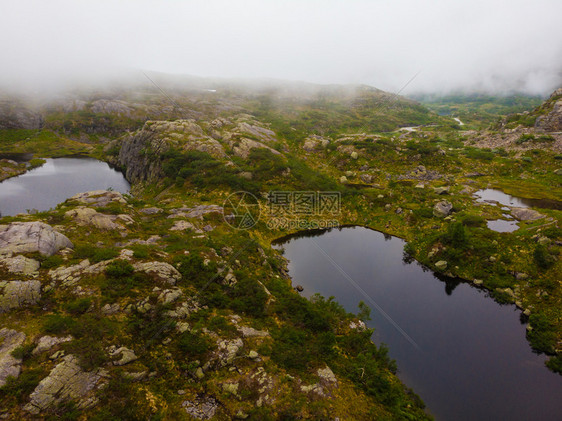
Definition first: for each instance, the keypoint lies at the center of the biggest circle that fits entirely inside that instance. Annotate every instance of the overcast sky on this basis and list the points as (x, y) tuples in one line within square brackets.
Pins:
[(464, 44)]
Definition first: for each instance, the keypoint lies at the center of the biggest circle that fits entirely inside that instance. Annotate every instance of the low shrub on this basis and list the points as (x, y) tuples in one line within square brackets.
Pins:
[(56, 323), (95, 254), (193, 345), (119, 269), (52, 262), (78, 306), (473, 221)]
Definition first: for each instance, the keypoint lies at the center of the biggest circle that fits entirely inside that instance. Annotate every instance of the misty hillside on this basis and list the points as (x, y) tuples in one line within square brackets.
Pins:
[(478, 109), (293, 109)]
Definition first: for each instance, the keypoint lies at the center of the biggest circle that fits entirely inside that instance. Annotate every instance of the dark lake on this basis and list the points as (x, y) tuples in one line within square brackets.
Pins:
[(464, 354), (60, 178)]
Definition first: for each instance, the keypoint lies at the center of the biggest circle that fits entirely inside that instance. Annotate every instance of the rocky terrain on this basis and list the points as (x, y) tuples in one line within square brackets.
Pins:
[(153, 306)]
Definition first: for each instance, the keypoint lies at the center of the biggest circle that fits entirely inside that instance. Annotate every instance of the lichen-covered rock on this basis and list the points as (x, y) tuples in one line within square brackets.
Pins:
[(227, 351), (155, 138), (327, 382), (110, 309), (88, 216), (127, 355), (47, 342), (9, 365), (442, 208), (31, 237), (66, 382), (196, 212), (201, 408), (14, 294), (161, 270), (99, 198), (258, 132), (70, 275), (327, 376), (441, 265), (315, 142), (169, 296), (524, 214), (20, 264), (151, 211), (242, 147), (185, 225), (250, 332)]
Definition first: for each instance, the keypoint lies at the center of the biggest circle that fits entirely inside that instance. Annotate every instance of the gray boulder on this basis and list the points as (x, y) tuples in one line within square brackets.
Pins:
[(30, 237), (9, 365), (47, 342), (127, 355), (442, 208), (441, 265), (160, 270)]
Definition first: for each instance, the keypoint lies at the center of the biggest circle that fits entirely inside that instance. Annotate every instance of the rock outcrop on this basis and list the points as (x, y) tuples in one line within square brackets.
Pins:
[(201, 408), (14, 294), (314, 142), (88, 216), (139, 150), (195, 212), (20, 264), (47, 342), (99, 198), (31, 237), (243, 146), (160, 270), (107, 106), (66, 382), (10, 366), (17, 116), (552, 122)]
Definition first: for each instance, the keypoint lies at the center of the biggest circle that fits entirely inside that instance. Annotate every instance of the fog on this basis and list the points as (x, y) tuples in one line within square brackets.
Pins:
[(436, 46)]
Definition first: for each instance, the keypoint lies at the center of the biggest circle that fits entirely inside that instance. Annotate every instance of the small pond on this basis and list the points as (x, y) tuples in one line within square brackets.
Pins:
[(494, 195), (463, 353), (501, 225), (58, 179)]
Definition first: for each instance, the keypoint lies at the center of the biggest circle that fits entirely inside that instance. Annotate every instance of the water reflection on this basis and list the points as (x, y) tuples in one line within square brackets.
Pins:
[(58, 179), (473, 360), (494, 195)]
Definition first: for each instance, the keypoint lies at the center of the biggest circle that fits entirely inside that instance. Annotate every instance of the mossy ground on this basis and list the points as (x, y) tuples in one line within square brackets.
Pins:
[(310, 334)]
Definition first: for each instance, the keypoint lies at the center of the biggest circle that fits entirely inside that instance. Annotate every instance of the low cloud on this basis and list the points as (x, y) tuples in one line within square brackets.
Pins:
[(494, 46)]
